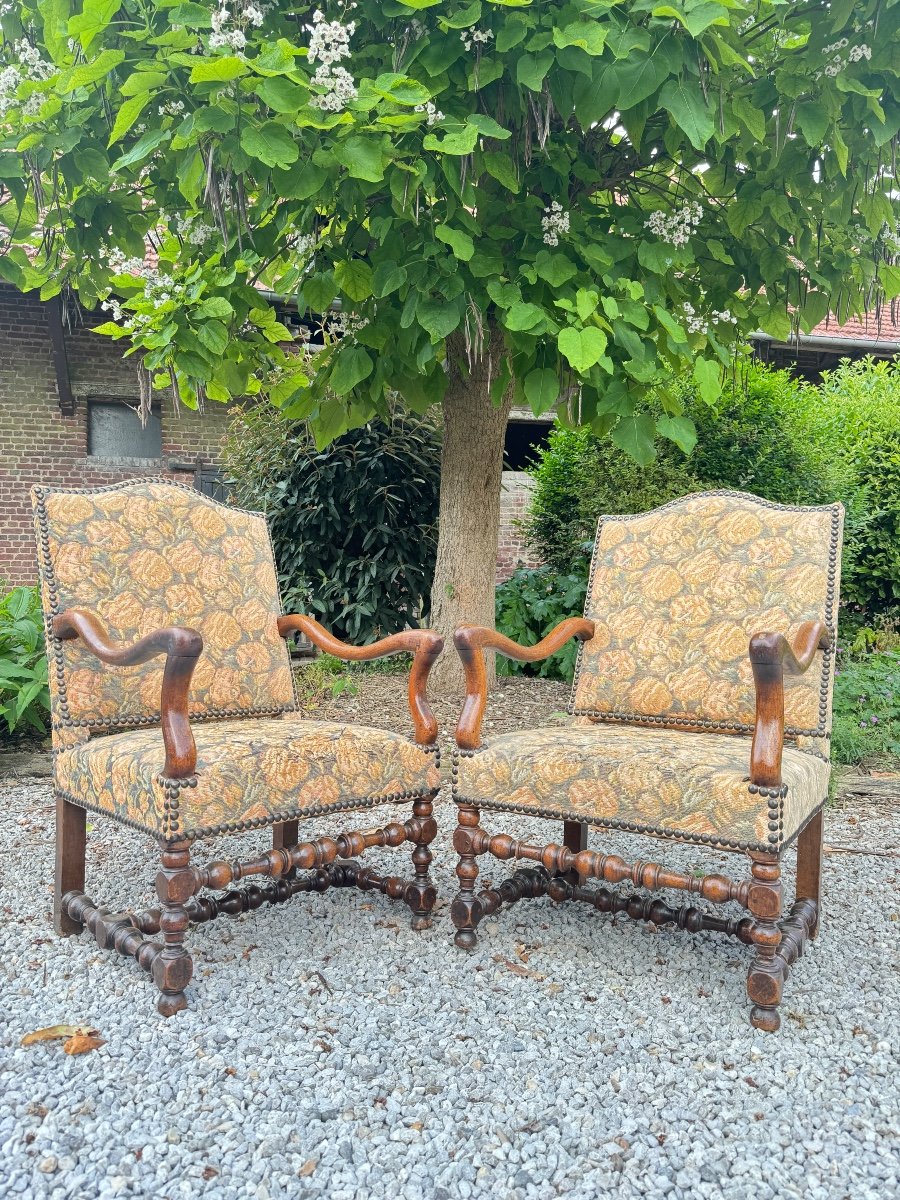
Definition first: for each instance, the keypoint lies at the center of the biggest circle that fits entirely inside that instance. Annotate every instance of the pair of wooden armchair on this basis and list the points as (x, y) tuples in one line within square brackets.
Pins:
[(163, 617)]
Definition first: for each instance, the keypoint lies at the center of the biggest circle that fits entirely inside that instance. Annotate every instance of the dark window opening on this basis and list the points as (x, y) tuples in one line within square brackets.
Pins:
[(523, 441), (115, 431)]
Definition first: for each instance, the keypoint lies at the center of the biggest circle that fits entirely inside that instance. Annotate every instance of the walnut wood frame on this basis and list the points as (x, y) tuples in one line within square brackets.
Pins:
[(179, 884), (563, 871)]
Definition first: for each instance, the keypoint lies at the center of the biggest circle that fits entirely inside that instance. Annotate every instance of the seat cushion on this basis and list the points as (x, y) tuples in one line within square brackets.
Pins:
[(249, 773), (693, 786)]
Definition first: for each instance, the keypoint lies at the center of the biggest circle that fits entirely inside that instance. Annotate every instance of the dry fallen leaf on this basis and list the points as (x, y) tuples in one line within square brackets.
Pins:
[(516, 969), (210, 1172), (54, 1033), (308, 1167), (83, 1043)]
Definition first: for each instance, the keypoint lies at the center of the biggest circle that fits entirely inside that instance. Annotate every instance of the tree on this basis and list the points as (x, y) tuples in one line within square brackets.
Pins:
[(549, 203)]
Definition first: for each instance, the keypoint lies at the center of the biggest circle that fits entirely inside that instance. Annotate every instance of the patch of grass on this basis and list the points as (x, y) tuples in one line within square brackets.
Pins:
[(323, 678)]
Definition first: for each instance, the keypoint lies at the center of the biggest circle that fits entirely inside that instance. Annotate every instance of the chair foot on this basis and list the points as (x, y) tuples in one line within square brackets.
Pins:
[(170, 1005), (765, 1018), (421, 896), (466, 939)]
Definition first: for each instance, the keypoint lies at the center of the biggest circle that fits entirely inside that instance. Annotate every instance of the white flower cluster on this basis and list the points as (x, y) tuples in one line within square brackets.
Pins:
[(159, 288), (329, 42), (342, 324), (228, 27), (697, 323), (172, 108), (554, 222), (30, 68), (305, 244), (432, 113), (193, 230), (475, 37), (675, 227), (838, 61)]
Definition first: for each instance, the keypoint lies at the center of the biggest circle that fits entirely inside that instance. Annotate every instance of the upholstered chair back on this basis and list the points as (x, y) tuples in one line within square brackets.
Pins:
[(148, 554), (676, 594)]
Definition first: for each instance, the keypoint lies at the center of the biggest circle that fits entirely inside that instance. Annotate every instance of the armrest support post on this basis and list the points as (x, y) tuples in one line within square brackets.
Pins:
[(425, 644), (472, 640), (181, 646), (772, 657)]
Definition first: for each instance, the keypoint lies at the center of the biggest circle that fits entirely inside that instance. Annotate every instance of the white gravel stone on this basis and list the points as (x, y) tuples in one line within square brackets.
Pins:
[(329, 1051)]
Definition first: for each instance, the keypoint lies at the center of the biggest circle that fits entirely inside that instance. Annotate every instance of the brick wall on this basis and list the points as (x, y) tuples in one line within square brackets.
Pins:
[(40, 445), (515, 496)]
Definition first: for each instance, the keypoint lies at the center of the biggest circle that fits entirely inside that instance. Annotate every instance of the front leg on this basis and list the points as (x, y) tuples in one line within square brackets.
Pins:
[(421, 894), (172, 968), (765, 979), (466, 910)]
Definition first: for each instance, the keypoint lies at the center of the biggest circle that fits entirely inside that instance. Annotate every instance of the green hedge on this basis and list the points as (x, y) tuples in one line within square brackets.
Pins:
[(772, 435), (24, 696), (354, 526)]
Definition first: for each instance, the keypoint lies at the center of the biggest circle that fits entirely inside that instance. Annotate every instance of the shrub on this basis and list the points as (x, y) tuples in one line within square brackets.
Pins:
[(24, 696), (529, 604), (867, 709), (353, 525)]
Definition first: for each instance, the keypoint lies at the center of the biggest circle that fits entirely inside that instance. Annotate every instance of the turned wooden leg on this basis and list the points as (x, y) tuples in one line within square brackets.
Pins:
[(809, 866), (465, 911), (766, 976), (575, 838), (285, 835), (421, 895), (175, 885), (71, 833)]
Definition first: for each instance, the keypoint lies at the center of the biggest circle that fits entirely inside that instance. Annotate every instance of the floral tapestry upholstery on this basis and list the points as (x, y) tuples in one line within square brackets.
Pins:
[(676, 594), (693, 786), (249, 772), (148, 554)]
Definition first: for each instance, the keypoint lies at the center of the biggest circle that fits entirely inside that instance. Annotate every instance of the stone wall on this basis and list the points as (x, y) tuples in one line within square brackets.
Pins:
[(515, 497)]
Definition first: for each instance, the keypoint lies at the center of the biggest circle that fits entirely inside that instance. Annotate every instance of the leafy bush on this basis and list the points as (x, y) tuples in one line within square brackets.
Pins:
[(24, 696), (529, 604), (867, 709), (770, 434), (353, 525)]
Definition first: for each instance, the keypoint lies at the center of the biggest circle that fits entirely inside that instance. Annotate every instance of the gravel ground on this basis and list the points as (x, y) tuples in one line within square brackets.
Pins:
[(331, 1052)]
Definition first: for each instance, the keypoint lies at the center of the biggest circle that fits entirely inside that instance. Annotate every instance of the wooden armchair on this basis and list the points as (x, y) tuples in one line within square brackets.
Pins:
[(681, 731), (174, 711)]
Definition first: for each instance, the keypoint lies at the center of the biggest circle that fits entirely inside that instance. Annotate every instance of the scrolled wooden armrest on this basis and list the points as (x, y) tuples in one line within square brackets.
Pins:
[(472, 640), (425, 645), (181, 646), (772, 657)]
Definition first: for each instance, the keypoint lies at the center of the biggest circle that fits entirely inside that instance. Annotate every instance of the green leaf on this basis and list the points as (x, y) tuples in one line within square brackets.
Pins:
[(216, 307), (680, 430), (500, 166), (639, 78), (214, 336), (777, 323), (437, 317), (126, 117), (319, 290), (749, 116), (354, 278), (93, 19), (503, 294), (270, 143), (276, 59), (300, 182), (587, 35), (388, 276), (841, 153), (522, 317), (461, 140), (684, 102), (541, 390), (556, 269), (89, 73), (582, 348), (352, 365), (363, 157), (595, 98), (145, 145), (636, 436), (701, 16), (708, 378), (142, 81), (488, 127), (281, 95), (458, 241), (211, 119), (814, 122), (531, 69), (218, 70), (889, 277)]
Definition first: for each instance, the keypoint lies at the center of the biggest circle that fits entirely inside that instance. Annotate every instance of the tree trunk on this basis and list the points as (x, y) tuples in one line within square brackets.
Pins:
[(469, 517)]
